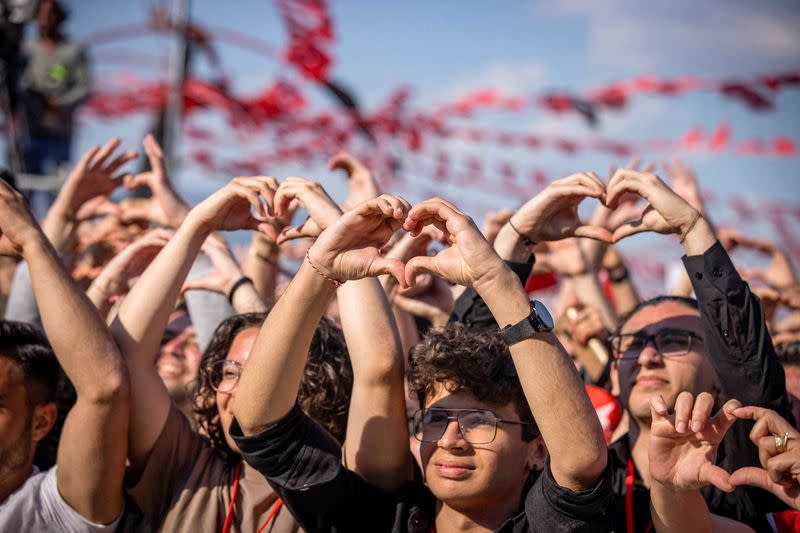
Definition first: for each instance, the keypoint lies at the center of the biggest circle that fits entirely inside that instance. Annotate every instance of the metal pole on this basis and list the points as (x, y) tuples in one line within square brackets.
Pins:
[(177, 67)]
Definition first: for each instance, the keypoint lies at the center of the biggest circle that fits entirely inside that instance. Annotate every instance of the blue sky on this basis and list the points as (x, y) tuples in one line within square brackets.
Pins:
[(447, 48)]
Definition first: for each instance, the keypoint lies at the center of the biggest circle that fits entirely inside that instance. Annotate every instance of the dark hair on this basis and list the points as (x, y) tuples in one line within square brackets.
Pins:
[(324, 390), (43, 378), (682, 300), (479, 362), (27, 346), (788, 353)]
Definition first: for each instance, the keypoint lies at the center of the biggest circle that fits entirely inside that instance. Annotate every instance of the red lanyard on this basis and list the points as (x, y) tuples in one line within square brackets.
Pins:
[(629, 501), (226, 527)]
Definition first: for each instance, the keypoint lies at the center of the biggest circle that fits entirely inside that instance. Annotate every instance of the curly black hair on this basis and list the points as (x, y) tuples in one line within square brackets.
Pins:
[(324, 390), (457, 358)]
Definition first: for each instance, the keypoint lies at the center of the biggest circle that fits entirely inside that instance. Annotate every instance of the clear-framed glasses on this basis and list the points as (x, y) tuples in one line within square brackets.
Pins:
[(477, 426), (225, 375), (668, 343)]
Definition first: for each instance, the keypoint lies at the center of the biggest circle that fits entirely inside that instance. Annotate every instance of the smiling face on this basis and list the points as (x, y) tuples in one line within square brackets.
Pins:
[(179, 357), (469, 477), (239, 352), (651, 373)]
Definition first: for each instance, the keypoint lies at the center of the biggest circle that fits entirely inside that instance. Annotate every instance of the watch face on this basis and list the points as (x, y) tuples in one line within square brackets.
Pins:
[(544, 314)]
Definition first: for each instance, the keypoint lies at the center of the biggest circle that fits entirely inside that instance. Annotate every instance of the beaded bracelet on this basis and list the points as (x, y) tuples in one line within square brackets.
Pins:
[(336, 282)]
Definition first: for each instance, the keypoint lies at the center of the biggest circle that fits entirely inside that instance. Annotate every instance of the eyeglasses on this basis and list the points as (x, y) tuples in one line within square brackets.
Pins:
[(668, 343), (225, 375), (477, 426)]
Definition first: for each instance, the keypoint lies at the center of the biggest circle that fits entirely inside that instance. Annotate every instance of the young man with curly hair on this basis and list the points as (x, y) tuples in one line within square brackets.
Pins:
[(480, 449)]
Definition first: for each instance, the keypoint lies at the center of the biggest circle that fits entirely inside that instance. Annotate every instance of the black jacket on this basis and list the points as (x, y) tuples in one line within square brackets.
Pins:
[(743, 356)]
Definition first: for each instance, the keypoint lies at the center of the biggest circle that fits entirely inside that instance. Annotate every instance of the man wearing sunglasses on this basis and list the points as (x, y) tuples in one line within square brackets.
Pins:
[(677, 348)]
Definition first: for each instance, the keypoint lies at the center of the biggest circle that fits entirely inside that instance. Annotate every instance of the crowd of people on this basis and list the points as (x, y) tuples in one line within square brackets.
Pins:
[(380, 366)]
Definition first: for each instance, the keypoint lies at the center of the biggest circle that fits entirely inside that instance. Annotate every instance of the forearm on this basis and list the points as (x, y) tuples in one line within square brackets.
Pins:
[(99, 297), (59, 225), (247, 300), (678, 511), (553, 389), (261, 265), (509, 245), (626, 297), (145, 311), (377, 407), (81, 339), (207, 309), (268, 387), (92, 450), (587, 288)]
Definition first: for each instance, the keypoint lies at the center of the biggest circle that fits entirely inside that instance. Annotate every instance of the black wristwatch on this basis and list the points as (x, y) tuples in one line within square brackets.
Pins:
[(539, 320)]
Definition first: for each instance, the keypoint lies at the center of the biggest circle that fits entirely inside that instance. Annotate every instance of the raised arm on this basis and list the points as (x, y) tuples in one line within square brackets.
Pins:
[(93, 445), (347, 250), (377, 411), (144, 313), (552, 386), (736, 336)]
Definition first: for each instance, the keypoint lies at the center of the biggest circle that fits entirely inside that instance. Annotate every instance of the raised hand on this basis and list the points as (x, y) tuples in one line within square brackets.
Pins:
[(93, 176), (18, 227), (683, 181), (229, 208), (667, 212), (164, 207), (361, 183), (351, 247), (469, 260), (562, 257), (683, 446), (226, 270), (129, 263), (780, 472), (298, 192), (435, 304), (780, 273), (552, 214)]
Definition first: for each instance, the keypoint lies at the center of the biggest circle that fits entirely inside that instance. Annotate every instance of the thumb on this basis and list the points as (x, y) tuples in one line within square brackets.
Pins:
[(710, 473), (753, 476), (264, 227), (593, 232), (628, 229), (419, 265), (131, 181), (394, 267)]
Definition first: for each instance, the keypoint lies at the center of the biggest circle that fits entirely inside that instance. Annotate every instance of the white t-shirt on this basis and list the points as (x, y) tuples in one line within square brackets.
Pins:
[(38, 506)]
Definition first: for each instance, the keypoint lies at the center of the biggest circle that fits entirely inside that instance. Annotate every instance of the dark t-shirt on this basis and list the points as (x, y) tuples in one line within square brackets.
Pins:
[(302, 462)]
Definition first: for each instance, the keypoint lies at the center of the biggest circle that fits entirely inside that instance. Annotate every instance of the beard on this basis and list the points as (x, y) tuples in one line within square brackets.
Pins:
[(17, 454)]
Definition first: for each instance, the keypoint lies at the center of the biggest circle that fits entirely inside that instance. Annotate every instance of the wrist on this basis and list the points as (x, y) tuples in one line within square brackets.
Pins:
[(699, 238), (232, 287), (197, 225)]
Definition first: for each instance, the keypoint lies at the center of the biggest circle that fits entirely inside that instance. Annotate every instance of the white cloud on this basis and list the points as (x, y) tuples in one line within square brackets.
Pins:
[(637, 35)]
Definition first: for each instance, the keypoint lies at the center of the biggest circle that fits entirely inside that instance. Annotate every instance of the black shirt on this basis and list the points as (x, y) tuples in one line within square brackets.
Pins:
[(743, 356), (302, 462)]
